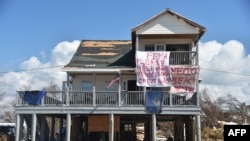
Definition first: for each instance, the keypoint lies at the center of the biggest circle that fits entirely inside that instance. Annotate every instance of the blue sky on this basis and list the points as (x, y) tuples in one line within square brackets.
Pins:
[(45, 33), (33, 28)]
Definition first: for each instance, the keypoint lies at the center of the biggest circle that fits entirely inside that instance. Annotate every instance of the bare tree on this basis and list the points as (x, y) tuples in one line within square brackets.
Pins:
[(52, 87), (8, 111), (235, 110), (211, 110), (53, 90)]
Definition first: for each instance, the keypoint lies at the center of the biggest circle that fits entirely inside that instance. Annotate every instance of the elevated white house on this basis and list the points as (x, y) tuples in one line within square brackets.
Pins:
[(145, 88)]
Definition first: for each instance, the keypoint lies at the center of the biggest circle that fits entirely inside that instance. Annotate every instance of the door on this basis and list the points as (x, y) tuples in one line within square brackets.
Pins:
[(134, 96), (134, 128), (127, 131)]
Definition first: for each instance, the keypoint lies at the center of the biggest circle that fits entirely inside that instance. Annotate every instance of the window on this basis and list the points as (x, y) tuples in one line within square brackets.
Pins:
[(154, 47), (177, 47), (149, 47), (160, 47), (87, 86), (127, 127)]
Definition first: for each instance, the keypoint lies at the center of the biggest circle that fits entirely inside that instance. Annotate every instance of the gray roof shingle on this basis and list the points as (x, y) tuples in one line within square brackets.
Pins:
[(104, 53)]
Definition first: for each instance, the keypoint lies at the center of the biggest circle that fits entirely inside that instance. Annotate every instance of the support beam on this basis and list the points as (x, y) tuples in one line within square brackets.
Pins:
[(119, 89), (34, 121), (153, 127), (198, 128), (94, 89), (18, 127), (68, 127), (111, 127)]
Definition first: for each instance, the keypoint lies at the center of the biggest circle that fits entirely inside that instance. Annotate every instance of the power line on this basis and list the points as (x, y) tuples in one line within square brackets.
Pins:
[(32, 69), (226, 72), (221, 71)]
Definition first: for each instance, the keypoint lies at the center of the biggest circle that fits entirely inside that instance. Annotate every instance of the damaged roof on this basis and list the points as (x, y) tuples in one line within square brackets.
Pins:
[(104, 53)]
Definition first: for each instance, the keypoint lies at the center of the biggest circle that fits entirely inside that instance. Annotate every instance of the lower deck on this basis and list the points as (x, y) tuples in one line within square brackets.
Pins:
[(107, 127)]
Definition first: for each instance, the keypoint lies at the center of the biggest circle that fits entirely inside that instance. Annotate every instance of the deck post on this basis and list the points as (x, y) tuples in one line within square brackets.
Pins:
[(153, 127), (111, 127), (33, 132), (18, 127), (119, 90), (170, 99), (198, 128), (94, 89), (67, 90), (68, 127)]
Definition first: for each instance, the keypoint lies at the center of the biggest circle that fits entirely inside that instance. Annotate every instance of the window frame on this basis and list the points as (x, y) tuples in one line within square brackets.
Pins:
[(154, 47), (89, 88)]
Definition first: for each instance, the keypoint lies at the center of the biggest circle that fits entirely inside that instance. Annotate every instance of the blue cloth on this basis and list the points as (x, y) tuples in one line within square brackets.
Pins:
[(154, 102), (33, 97)]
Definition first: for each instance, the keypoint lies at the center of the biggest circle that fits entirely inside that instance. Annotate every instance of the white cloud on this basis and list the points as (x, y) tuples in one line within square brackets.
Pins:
[(223, 67), (39, 78)]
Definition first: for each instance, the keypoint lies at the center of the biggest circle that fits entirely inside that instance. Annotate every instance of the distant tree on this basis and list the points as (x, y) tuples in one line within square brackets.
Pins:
[(234, 109), (211, 110), (52, 87), (7, 110)]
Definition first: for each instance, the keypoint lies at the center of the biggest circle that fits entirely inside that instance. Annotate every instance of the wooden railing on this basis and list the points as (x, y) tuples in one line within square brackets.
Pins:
[(124, 98)]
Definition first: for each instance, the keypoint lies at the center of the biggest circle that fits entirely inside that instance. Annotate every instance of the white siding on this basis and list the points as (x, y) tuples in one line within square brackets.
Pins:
[(100, 81), (167, 24)]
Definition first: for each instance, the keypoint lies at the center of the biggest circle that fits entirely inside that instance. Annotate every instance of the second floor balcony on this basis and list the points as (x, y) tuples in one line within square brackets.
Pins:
[(101, 98)]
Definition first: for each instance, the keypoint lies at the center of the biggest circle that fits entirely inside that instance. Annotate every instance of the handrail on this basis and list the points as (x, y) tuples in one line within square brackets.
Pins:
[(105, 98)]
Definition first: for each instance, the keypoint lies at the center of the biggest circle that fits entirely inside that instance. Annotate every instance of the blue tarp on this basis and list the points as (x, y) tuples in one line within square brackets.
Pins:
[(33, 97), (154, 101)]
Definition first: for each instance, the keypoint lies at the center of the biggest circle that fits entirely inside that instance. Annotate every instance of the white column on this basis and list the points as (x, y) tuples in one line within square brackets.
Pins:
[(144, 94), (153, 127), (198, 128), (119, 90), (111, 127), (33, 132), (67, 90), (137, 43), (94, 89), (68, 127), (17, 127)]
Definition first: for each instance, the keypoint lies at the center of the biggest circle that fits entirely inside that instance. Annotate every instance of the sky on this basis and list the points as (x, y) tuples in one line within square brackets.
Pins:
[(45, 34)]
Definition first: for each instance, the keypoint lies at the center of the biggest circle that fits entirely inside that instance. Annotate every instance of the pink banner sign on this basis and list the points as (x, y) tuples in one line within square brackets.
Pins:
[(152, 69), (184, 78)]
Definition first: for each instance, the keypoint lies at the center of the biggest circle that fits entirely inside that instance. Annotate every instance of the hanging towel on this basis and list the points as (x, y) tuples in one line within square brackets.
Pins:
[(154, 102), (33, 97)]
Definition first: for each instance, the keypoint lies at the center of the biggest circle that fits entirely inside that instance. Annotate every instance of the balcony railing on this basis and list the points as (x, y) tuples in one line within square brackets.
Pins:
[(183, 58), (124, 98)]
